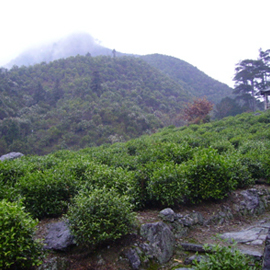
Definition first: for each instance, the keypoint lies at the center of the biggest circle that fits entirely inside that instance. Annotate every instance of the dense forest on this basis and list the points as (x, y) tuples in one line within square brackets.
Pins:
[(87, 101), (190, 77)]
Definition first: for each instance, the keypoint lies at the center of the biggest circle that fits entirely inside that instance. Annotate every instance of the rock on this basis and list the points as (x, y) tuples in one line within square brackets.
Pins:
[(11, 155), (190, 260), (191, 219), (257, 242), (161, 240), (251, 198), (251, 203), (58, 237), (54, 263), (192, 247), (133, 258), (266, 255), (179, 230), (256, 255), (243, 236), (167, 215), (221, 217)]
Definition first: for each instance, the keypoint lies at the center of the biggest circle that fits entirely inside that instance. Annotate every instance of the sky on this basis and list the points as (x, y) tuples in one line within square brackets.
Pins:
[(213, 35)]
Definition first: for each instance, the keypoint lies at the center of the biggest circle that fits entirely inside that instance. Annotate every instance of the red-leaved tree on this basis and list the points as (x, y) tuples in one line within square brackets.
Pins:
[(198, 111)]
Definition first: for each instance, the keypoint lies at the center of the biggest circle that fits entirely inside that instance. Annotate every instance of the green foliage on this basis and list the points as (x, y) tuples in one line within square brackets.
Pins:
[(18, 249), (168, 184), (99, 215), (225, 258), (47, 193), (208, 175), (193, 79)]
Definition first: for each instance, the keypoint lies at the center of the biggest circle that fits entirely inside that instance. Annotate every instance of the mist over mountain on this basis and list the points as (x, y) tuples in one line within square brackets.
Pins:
[(72, 45), (197, 83)]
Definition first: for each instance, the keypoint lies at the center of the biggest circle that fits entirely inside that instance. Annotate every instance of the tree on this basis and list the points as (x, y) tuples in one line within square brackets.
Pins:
[(198, 111), (96, 83), (246, 73), (264, 58), (226, 107), (251, 76), (39, 93)]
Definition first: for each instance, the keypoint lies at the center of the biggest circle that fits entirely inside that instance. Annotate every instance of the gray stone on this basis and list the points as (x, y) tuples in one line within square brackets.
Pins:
[(167, 215), (256, 255), (11, 155), (266, 255), (251, 203), (58, 237), (257, 242), (54, 263), (262, 237), (191, 219), (243, 236), (192, 247), (133, 258), (192, 258), (161, 240)]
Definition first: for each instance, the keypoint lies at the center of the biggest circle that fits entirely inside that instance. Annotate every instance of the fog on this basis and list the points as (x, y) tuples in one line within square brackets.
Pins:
[(211, 35)]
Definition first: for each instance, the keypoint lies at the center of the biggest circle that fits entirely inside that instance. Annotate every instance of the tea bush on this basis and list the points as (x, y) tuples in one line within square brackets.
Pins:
[(239, 172), (98, 176), (167, 184), (99, 215), (47, 193), (208, 176), (18, 250)]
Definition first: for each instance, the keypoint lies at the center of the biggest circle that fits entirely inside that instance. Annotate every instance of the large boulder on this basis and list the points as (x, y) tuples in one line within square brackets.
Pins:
[(161, 241), (59, 237), (253, 202), (167, 214), (11, 155)]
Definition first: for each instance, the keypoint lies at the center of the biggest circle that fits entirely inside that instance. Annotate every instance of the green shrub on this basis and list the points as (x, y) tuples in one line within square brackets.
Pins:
[(208, 176), (47, 193), (11, 171), (99, 215), (18, 250), (98, 176), (139, 188), (225, 258), (239, 172), (222, 146), (167, 184)]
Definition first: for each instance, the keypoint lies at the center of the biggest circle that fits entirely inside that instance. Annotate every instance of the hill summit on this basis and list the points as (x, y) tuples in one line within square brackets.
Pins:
[(72, 45)]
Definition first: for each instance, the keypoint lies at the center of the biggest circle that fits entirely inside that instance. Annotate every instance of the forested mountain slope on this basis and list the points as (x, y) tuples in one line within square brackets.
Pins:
[(190, 77), (84, 101)]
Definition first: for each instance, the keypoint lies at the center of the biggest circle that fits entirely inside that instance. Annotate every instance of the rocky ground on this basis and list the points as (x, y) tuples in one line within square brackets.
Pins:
[(244, 211)]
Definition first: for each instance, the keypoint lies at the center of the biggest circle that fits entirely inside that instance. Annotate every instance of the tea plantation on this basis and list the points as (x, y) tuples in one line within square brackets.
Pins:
[(98, 189)]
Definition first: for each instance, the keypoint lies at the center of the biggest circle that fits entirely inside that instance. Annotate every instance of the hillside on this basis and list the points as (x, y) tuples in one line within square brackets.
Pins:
[(190, 77), (187, 76), (199, 168), (84, 101)]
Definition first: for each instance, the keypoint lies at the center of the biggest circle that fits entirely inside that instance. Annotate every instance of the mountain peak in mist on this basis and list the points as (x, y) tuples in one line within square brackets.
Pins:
[(72, 45)]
